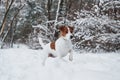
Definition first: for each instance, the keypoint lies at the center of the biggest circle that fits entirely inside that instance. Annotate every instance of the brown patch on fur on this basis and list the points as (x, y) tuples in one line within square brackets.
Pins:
[(52, 45), (63, 31), (51, 55)]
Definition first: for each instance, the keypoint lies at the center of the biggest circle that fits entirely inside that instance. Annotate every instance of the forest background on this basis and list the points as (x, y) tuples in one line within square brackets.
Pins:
[(96, 23)]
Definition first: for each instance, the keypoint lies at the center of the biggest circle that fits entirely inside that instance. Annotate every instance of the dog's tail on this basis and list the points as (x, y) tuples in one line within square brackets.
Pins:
[(41, 42)]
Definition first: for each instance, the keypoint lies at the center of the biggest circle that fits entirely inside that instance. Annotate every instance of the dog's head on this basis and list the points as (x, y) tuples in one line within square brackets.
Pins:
[(66, 32)]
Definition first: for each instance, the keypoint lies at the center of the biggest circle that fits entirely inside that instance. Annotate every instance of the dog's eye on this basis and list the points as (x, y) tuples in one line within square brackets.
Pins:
[(66, 31)]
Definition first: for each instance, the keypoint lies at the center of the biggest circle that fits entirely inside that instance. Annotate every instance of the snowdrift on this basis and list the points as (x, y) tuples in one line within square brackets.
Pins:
[(25, 64)]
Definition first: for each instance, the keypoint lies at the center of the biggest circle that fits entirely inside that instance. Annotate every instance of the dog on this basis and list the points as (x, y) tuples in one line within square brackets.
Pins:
[(61, 47)]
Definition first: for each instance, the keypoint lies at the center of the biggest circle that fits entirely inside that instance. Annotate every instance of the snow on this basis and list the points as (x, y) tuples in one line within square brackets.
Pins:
[(25, 64)]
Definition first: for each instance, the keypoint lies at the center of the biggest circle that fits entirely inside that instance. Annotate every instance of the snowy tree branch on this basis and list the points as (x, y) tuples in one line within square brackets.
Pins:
[(57, 13)]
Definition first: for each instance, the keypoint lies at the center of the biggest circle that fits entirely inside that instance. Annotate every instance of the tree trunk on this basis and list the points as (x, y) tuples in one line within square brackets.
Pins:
[(5, 17), (49, 5), (11, 28)]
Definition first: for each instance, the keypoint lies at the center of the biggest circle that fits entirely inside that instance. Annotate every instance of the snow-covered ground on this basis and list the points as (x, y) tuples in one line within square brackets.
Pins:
[(25, 64)]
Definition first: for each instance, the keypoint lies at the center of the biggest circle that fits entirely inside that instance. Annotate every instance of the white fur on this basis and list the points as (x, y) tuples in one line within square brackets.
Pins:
[(63, 46)]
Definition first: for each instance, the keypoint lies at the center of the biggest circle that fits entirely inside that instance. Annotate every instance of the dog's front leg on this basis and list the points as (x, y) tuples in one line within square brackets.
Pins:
[(44, 60), (45, 56), (71, 55)]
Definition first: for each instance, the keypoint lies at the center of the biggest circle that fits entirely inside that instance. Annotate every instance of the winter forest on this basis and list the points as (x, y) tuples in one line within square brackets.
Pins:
[(95, 42), (96, 23)]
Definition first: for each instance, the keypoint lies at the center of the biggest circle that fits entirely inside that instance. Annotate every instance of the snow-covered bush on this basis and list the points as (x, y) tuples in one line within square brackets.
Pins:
[(96, 34), (112, 9)]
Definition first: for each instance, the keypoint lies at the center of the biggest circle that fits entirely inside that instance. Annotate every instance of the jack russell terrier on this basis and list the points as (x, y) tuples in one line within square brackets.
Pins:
[(61, 47)]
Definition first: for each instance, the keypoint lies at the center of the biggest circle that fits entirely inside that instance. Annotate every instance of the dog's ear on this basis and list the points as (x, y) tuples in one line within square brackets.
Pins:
[(71, 29), (61, 28)]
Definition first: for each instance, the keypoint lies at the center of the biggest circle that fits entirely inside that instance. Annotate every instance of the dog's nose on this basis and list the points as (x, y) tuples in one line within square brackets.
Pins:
[(71, 37)]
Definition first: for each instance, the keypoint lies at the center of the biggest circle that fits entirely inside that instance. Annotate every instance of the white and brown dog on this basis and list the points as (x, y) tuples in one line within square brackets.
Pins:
[(61, 47)]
